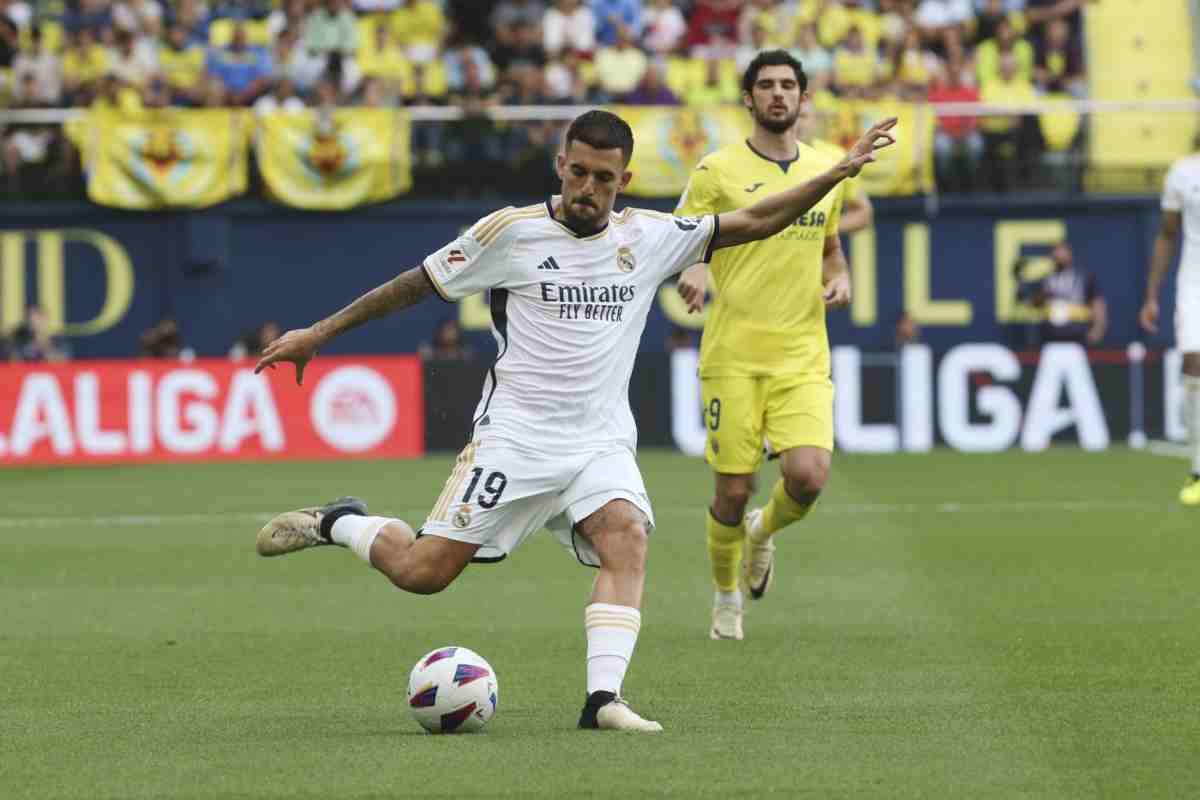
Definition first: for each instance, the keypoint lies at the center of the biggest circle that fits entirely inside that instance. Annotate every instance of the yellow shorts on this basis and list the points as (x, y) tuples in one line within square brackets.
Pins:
[(785, 411)]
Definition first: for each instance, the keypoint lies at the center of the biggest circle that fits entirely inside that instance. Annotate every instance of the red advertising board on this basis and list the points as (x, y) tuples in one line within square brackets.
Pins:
[(209, 410)]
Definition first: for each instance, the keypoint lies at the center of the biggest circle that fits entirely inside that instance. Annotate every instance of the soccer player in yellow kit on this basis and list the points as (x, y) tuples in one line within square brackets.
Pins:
[(764, 357)]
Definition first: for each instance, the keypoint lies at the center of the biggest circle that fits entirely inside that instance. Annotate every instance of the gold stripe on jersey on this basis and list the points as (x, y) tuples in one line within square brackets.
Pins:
[(490, 228), (462, 467)]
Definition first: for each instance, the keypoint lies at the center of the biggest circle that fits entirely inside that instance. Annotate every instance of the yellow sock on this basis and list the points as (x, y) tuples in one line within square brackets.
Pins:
[(725, 553), (783, 510)]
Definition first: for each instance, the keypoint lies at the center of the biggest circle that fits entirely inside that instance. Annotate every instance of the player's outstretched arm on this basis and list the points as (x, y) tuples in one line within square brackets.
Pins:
[(300, 345), (772, 214), (1160, 262)]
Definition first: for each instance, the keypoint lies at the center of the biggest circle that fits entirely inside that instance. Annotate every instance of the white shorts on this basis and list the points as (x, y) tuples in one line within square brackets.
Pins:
[(498, 496), (1187, 319)]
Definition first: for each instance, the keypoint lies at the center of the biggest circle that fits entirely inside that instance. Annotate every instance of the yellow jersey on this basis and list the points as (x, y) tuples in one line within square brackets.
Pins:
[(768, 317)]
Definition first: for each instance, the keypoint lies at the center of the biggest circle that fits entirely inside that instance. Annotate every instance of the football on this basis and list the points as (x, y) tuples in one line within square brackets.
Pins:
[(452, 690)]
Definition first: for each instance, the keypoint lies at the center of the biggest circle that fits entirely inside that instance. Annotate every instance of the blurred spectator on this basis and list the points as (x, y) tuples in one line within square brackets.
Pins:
[(835, 20), (758, 42), (112, 95), (182, 65), (20, 14), (84, 63), (612, 15), (25, 144), (93, 15), (214, 94), (472, 145), (243, 70), (652, 91), (1069, 298), (809, 52), (367, 8), (564, 84), (139, 17), (569, 25), (156, 93), (957, 142), (32, 341), (855, 67), (192, 16), (713, 27), (420, 28), (241, 10), (1006, 41), (164, 340), (619, 69), (388, 62), (765, 14), (251, 343), (377, 93), (680, 338), (282, 97), (468, 56), (134, 59), (1060, 61), (990, 12), (330, 30), (510, 15), (523, 50), (713, 91), (936, 18), (1007, 146), (292, 61), (896, 17), (291, 15), (906, 331), (912, 66), (44, 70), (664, 28), (447, 343), (1039, 12)]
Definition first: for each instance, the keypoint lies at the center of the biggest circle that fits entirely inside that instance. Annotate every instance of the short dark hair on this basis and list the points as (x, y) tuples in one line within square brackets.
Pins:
[(602, 130), (773, 58)]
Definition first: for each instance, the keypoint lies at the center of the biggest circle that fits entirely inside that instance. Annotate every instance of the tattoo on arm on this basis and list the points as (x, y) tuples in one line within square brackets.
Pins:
[(406, 289)]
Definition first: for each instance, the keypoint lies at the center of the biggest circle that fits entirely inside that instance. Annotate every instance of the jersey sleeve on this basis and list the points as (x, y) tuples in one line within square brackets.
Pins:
[(683, 241), (702, 192), (479, 259), (1172, 199)]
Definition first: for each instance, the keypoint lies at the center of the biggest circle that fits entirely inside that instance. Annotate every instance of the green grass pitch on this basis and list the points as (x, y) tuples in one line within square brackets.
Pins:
[(943, 626)]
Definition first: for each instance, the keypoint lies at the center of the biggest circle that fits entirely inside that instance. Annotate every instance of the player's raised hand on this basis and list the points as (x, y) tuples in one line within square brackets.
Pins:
[(837, 291), (1149, 316), (297, 346), (693, 283), (863, 151)]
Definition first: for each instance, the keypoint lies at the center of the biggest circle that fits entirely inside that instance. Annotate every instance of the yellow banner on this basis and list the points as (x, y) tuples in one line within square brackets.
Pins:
[(334, 162), (904, 168), (668, 143), (159, 158)]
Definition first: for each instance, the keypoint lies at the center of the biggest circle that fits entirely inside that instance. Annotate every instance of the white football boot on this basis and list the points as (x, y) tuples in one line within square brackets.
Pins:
[(607, 712), (299, 530), (726, 621), (758, 565)]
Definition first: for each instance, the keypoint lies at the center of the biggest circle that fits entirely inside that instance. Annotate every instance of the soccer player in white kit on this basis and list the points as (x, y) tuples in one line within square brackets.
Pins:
[(553, 439), (1181, 210)]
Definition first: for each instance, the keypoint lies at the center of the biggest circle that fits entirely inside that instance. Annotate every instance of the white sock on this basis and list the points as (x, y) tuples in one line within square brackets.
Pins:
[(1191, 387), (733, 598), (358, 533), (612, 632)]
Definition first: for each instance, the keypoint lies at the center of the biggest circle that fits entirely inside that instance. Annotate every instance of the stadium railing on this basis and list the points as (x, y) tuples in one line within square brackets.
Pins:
[(1064, 146)]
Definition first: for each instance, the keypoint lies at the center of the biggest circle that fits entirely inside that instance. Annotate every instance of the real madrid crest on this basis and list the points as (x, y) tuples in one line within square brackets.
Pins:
[(462, 517), (625, 260)]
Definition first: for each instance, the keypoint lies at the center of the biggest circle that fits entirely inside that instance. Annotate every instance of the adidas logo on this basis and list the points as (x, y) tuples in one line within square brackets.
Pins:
[(549, 264)]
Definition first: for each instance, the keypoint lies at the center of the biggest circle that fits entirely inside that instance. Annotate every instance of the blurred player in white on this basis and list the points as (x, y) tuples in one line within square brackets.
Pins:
[(1181, 210), (553, 439)]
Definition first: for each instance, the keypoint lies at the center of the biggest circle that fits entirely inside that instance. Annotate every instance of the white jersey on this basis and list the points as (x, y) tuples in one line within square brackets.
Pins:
[(1182, 193), (568, 314)]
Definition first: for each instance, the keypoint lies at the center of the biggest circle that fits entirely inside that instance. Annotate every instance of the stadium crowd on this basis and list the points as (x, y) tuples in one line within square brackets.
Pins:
[(291, 54)]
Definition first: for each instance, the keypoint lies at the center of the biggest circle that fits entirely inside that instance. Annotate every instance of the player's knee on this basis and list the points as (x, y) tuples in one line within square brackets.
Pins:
[(421, 579), (734, 495), (624, 547), (806, 476)]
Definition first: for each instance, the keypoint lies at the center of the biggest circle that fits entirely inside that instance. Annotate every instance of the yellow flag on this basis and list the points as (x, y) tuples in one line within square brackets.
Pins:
[(906, 167), (670, 141), (159, 158), (336, 161)]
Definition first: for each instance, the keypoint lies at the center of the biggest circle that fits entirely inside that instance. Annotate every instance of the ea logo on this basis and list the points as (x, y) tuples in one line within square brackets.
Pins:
[(353, 409)]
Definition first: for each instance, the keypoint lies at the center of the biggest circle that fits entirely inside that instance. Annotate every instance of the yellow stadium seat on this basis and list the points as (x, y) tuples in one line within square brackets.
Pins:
[(679, 75), (366, 29)]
